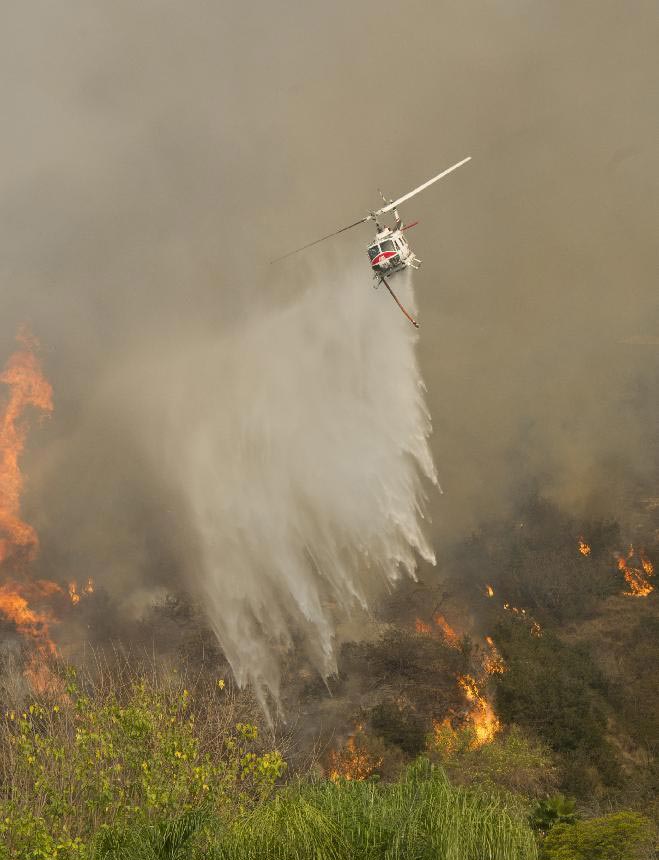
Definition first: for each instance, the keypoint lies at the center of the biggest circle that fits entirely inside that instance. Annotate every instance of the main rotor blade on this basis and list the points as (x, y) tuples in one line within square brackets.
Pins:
[(422, 187), (329, 236)]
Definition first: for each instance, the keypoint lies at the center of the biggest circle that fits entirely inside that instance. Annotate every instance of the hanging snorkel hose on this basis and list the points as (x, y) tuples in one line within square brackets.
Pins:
[(383, 280)]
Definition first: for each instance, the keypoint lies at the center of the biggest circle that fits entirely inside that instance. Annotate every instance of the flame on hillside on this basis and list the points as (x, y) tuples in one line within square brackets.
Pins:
[(493, 662), (15, 600), (449, 634), (75, 595), (489, 591), (584, 548), (353, 761), (28, 388), (534, 628), (481, 713), (441, 627), (637, 574), (24, 602), (422, 627), (484, 720)]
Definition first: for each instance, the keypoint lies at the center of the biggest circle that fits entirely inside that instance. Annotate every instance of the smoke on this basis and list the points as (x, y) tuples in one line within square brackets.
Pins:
[(299, 444), (154, 157)]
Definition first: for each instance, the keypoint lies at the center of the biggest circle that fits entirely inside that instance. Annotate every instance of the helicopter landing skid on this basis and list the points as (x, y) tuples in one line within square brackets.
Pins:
[(383, 280)]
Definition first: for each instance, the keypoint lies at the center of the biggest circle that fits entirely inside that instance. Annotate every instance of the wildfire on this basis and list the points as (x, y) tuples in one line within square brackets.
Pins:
[(584, 548), (14, 605), (484, 720), (489, 591), (448, 632), (75, 595), (24, 602), (637, 576), (27, 388), (493, 662), (534, 627), (442, 626), (353, 762)]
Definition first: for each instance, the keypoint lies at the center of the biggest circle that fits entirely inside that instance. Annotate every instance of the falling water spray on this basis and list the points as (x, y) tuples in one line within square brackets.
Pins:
[(300, 447)]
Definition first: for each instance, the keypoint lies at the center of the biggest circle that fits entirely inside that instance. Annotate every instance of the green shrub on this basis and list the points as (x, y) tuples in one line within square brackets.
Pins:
[(101, 758), (621, 836), (554, 690), (553, 810)]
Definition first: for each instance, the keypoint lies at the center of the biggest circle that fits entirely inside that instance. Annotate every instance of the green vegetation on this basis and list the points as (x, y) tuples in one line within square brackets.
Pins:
[(150, 769), (512, 762), (555, 691), (99, 758), (419, 816), (152, 765), (621, 836), (554, 810)]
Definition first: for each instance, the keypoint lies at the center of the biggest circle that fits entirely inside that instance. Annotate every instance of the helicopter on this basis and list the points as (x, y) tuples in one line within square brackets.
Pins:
[(389, 252)]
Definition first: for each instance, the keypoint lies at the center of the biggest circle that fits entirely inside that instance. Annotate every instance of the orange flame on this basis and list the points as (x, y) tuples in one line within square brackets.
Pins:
[(353, 762), (534, 627), (23, 602), (493, 662), (584, 548), (637, 577), (27, 387), (75, 595), (448, 632), (445, 629), (484, 720), (421, 627), (14, 605), (489, 591)]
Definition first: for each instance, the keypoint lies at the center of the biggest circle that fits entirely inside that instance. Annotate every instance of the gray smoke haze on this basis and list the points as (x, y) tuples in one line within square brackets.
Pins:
[(155, 156)]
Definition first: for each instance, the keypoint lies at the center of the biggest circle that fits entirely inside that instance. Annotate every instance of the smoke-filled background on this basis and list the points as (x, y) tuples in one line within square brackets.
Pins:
[(155, 157)]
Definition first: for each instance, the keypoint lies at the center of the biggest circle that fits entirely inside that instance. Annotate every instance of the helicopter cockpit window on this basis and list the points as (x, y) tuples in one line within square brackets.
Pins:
[(373, 252), (388, 245)]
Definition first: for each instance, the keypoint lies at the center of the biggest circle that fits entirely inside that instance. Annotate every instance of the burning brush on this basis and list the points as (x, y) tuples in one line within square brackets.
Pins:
[(480, 711), (27, 603), (637, 575)]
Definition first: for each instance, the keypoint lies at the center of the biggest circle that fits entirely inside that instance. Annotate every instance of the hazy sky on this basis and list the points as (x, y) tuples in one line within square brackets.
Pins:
[(156, 155)]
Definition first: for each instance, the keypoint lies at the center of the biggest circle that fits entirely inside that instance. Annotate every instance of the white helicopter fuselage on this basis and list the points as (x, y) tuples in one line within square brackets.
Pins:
[(389, 252)]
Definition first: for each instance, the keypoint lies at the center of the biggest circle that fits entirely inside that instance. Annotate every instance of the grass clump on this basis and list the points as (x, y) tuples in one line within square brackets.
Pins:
[(420, 817)]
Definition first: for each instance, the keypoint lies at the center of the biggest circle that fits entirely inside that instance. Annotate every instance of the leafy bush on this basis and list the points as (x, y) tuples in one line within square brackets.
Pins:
[(102, 757), (621, 836)]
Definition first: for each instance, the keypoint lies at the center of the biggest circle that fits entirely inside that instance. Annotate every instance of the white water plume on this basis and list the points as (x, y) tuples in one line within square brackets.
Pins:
[(301, 448)]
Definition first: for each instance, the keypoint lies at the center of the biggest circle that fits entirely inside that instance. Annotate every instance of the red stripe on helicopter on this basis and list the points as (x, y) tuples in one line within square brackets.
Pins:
[(385, 255)]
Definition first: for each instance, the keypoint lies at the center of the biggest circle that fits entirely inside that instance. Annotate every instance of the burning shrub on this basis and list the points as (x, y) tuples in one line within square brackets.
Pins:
[(512, 761)]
